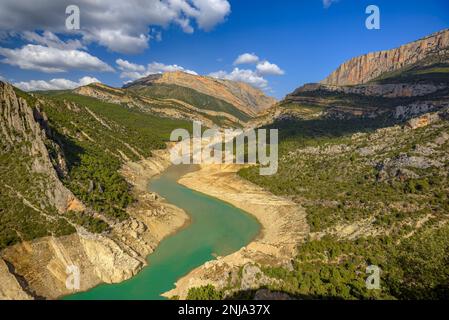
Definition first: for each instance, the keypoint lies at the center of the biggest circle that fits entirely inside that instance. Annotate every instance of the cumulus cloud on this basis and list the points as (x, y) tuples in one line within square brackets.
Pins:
[(242, 75), (49, 39), (157, 67), (52, 59), (252, 77), (128, 66), (121, 26), (118, 40), (210, 12), (134, 71), (54, 84), (267, 68), (246, 58), (328, 3)]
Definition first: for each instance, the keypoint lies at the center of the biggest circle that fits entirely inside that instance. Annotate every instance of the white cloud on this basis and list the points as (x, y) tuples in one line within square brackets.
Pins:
[(156, 67), (132, 75), (118, 41), (134, 71), (267, 68), (49, 39), (122, 26), (84, 81), (47, 59), (252, 77), (211, 12), (246, 58), (328, 3), (128, 66), (54, 84), (242, 75)]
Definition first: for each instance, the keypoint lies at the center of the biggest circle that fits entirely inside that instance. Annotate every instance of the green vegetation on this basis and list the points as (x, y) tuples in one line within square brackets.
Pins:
[(24, 213), (204, 293), (89, 222), (360, 101), (358, 181), (335, 269), (96, 137), (30, 99), (140, 130), (434, 69), (88, 141)]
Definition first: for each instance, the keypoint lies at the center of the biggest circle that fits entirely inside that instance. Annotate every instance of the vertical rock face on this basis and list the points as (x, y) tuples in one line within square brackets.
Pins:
[(20, 129), (10, 288), (43, 264), (364, 68), (34, 264)]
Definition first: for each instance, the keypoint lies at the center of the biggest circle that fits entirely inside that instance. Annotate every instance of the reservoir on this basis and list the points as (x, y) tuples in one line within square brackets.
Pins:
[(216, 229)]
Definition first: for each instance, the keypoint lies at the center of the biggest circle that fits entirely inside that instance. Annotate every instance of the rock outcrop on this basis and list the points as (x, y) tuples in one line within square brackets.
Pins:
[(34, 265), (284, 228), (100, 258), (241, 95), (164, 107), (10, 287), (43, 263), (367, 67), (21, 125)]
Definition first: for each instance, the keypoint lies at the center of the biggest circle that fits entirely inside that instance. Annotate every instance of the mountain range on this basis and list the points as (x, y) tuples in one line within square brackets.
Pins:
[(376, 130)]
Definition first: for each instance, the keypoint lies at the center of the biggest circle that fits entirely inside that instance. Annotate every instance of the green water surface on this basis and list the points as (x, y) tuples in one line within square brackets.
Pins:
[(216, 228)]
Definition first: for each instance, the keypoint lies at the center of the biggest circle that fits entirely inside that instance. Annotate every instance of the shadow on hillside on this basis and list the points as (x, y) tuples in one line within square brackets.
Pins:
[(250, 294), (440, 292), (71, 151), (299, 129)]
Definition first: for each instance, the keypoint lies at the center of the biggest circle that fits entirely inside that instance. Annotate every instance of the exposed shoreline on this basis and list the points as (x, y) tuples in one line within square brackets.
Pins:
[(37, 268), (122, 254), (283, 226)]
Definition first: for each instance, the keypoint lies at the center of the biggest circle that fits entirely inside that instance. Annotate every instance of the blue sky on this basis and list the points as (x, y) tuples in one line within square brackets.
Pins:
[(295, 41)]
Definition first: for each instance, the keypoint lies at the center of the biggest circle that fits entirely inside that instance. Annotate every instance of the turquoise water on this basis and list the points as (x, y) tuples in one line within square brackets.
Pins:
[(216, 228)]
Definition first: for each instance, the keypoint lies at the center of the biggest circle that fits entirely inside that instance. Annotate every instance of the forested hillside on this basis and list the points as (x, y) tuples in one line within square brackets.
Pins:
[(375, 197), (79, 141)]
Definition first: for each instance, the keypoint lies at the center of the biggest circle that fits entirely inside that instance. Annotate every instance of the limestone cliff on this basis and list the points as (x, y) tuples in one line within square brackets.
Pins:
[(39, 238), (398, 83), (37, 268), (21, 128), (10, 288), (367, 67)]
